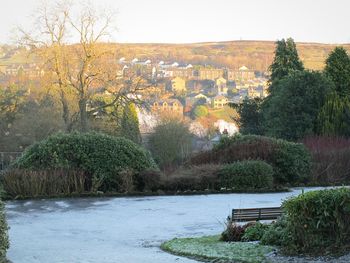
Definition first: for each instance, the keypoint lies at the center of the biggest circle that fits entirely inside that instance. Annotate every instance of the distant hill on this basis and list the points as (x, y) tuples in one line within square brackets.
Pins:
[(256, 55)]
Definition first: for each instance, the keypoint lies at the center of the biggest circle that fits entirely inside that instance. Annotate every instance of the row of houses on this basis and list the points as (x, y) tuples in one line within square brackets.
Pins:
[(187, 71)]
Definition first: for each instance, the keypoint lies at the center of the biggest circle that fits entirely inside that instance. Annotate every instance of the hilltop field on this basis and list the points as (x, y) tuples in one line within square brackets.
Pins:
[(256, 55)]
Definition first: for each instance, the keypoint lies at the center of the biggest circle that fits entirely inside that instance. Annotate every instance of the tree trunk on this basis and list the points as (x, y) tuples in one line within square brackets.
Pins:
[(83, 115)]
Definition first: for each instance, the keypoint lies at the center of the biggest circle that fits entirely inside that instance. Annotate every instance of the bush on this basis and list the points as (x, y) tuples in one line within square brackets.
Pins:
[(101, 156), (170, 143), (233, 231), (276, 234), (318, 221), (199, 177), (247, 175), (330, 159), (148, 180), (291, 161), (4, 239), (255, 232), (44, 183)]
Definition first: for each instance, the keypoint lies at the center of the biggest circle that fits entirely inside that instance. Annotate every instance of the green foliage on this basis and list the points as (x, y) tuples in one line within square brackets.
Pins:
[(247, 174), (101, 156), (129, 126), (233, 232), (4, 239), (286, 60), (334, 116), (255, 232), (200, 111), (170, 143), (338, 70), (250, 119), (291, 161), (318, 221), (276, 234), (291, 113)]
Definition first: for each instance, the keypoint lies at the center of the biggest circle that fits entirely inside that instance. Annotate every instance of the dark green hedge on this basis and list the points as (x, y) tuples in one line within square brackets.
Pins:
[(291, 161), (4, 240), (101, 156), (247, 175), (318, 221)]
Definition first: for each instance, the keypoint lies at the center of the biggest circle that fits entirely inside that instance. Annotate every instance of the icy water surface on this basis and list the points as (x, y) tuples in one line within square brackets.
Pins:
[(129, 230)]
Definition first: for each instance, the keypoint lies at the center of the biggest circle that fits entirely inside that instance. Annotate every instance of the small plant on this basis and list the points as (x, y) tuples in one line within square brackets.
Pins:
[(276, 234), (255, 232), (233, 231)]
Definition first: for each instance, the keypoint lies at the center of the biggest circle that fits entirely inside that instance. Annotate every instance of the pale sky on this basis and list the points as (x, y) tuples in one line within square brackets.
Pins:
[(185, 21)]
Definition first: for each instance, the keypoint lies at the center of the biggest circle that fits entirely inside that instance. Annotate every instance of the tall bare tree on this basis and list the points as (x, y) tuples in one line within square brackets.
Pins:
[(71, 45)]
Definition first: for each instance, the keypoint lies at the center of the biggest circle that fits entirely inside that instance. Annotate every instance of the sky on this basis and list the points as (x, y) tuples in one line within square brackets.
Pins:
[(188, 21)]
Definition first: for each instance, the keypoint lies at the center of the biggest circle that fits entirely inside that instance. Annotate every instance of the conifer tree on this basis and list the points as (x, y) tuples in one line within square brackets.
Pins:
[(129, 125), (338, 70), (285, 62)]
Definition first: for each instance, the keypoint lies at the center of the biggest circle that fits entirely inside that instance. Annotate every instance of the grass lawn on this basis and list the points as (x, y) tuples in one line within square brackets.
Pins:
[(211, 248)]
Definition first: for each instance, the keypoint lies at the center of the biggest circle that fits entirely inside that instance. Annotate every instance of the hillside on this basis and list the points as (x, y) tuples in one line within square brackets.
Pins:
[(255, 55)]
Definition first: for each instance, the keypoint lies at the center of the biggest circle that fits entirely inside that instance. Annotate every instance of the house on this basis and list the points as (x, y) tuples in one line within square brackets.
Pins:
[(242, 74), (221, 86), (178, 85), (208, 73), (167, 105), (219, 101)]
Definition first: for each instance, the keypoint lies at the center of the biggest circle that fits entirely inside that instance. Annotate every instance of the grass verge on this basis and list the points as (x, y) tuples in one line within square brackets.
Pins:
[(210, 248)]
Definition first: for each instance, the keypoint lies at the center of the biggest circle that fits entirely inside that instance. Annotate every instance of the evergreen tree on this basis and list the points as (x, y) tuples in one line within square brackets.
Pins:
[(250, 118), (338, 70), (129, 124), (334, 117), (293, 110), (285, 62)]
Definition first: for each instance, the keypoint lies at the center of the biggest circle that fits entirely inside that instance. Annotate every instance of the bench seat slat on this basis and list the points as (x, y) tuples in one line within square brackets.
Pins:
[(250, 214)]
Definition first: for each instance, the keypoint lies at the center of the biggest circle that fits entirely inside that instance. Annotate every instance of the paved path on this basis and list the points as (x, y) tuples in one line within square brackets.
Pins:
[(129, 230)]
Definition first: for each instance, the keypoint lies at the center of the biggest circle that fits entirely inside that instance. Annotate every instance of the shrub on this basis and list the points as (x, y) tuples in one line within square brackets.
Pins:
[(276, 234), (170, 143), (234, 232), (148, 180), (199, 177), (27, 183), (330, 159), (247, 175), (255, 232), (4, 240), (318, 221), (101, 156), (291, 161)]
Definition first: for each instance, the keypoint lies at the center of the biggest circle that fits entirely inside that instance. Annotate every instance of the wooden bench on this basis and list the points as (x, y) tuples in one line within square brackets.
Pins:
[(256, 214)]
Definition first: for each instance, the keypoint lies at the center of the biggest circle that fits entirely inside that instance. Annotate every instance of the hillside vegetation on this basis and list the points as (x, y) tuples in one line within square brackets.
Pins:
[(255, 55)]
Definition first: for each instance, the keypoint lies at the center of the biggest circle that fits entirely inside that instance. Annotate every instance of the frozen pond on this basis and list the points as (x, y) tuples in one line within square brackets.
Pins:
[(114, 230)]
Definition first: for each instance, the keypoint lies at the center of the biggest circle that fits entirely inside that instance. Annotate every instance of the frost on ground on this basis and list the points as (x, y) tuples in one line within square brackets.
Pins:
[(122, 230), (211, 248)]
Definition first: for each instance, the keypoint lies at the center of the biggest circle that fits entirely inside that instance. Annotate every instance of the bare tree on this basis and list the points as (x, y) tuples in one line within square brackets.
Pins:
[(86, 67)]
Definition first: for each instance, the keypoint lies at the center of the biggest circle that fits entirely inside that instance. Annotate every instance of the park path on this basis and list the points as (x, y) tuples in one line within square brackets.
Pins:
[(118, 230)]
